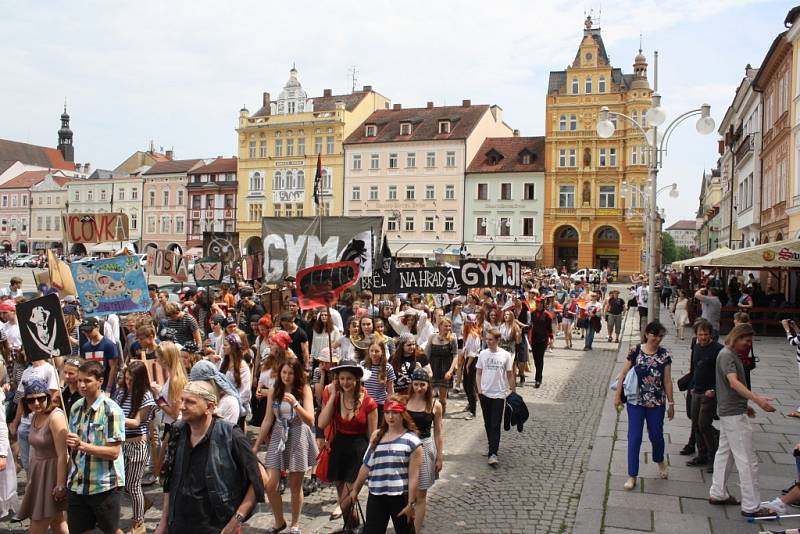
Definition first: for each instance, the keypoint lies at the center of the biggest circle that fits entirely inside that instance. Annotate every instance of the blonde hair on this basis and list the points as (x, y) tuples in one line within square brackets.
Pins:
[(738, 332), (169, 352), (452, 336)]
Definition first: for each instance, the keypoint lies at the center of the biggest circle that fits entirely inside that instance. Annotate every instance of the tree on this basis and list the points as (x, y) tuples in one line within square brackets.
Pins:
[(668, 251), (683, 253)]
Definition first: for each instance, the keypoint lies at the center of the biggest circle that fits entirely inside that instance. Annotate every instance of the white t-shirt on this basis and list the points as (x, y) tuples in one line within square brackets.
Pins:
[(228, 409), (45, 372), (265, 379), (164, 394), (247, 382), (494, 368), (11, 331)]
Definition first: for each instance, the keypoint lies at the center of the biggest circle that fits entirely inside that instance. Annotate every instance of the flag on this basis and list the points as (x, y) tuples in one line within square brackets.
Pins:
[(322, 285), (385, 260), (318, 181), (60, 275)]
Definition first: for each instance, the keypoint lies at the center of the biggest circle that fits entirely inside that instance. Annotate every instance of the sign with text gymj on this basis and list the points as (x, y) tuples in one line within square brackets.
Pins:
[(95, 227), (432, 280), (489, 273), (222, 245), (113, 285), (42, 329), (208, 272), (294, 244)]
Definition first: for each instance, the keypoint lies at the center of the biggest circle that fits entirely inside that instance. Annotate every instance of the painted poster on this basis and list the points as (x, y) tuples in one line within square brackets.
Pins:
[(322, 285), (222, 245), (490, 273), (167, 263), (113, 285), (96, 227), (208, 272), (42, 329), (294, 244)]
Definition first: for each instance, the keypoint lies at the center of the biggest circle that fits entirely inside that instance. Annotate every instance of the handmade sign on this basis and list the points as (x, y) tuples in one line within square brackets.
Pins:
[(167, 263), (489, 273), (293, 244), (322, 285), (43, 284), (253, 266), (433, 280), (224, 246), (95, 227), (42, 329), (208, 272), (60, 275), (113, 285)]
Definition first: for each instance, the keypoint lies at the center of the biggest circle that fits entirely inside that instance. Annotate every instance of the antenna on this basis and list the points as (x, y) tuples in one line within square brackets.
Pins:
[(353, 75), (640, 42)]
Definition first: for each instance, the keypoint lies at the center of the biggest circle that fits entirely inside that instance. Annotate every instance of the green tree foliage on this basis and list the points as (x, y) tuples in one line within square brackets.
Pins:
[(668, 251)]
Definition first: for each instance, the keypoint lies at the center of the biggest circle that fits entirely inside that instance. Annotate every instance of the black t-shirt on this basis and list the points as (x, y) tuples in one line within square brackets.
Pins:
[(616, 306), (69, 398), (298, 338), (704, 362)]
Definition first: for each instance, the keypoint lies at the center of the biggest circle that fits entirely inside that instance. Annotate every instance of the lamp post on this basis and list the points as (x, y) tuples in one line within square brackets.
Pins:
[(645, 201), (657, 144)]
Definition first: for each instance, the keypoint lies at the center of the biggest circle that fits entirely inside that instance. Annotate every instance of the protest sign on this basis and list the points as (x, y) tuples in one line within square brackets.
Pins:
[(113, 285), (322, 285), (42, 329), (224, 246), (489, 273), (208, 272), (431, 280), (167, 263), (95, 227)]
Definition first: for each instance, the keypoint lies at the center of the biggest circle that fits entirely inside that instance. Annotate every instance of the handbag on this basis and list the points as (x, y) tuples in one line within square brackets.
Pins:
[(685, 382), (596, 324), (353, 529)]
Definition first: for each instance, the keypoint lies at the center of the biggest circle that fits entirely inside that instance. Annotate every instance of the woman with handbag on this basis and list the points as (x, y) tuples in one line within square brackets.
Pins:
[(650, 364), (593, 311)]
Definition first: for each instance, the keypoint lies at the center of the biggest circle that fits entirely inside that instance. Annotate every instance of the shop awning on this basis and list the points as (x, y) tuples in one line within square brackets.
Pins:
[(702, 261), (767, 256), (523, 252), (415, 250)]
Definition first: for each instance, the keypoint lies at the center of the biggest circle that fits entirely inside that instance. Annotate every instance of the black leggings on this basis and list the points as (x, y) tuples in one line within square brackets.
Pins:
[(380, 508), (469, 386)]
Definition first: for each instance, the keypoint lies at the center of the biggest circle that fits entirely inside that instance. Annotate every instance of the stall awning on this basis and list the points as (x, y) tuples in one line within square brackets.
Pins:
[(767, 256), (523, 252), (702, 261)]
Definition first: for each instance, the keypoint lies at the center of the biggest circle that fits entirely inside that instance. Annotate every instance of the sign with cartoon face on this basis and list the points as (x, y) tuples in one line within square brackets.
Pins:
[(113, 285), (42, 329), (223, 246)]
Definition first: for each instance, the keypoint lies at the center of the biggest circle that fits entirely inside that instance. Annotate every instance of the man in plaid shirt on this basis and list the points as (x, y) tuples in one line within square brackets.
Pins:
[(97, 475)]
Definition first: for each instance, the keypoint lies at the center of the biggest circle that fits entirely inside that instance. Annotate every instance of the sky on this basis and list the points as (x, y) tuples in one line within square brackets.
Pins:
[(178, 72)]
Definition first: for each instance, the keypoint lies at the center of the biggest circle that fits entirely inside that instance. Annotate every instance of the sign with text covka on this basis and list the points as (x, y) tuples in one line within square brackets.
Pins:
[(95, 227), (489, 273)]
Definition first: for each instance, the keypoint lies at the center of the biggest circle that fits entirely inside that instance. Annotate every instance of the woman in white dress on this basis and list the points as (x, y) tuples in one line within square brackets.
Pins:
[(681, 311)]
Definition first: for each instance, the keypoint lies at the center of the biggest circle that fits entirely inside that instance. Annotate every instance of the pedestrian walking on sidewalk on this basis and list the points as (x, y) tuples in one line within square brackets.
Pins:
[(593, 310), (495, 380), (712, 307), (541, 335), (736, 433), (704, 402), (652, 365), (613, 310)]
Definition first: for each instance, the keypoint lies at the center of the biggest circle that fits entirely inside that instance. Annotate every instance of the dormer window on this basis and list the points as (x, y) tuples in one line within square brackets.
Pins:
[(371, 130), (444, 127), (526, 159), (405, 128), (493, 156)]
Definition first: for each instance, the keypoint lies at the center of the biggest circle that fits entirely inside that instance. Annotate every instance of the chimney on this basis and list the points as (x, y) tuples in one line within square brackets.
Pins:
[(327, 92), (86, 167), (265, 101), (397, 106), (367, 88), (170, 154), (466, 103), (429, 105), (516, 133)]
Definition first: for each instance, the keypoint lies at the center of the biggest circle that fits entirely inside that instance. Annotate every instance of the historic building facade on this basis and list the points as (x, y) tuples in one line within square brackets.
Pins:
[(684, 233), (212, 192), (590, 220), (278, 149), (48, 203)]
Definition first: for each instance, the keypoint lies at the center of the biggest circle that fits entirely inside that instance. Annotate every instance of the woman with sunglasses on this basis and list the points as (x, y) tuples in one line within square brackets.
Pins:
[(236, 369), (652, 364), (45, 498)]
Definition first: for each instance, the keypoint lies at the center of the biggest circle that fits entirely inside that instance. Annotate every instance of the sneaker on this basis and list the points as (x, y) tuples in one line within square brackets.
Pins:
[(470, 416), (776, 505), (493, 461), (630, 483), (687, 450)]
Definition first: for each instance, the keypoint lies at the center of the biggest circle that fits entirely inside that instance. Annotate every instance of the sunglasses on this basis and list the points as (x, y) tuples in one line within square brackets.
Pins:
[(36, 400)]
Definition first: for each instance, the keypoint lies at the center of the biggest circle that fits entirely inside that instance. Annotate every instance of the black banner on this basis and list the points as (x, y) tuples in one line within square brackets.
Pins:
[(431, 280), (42, 329), (489, 273)]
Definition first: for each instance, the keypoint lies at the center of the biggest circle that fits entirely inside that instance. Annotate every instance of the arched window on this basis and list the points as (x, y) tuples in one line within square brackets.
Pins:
[(568, 233), (574, 86), (289, 180), (635, 116), (608, 234), (301, 178), (588, 85), (601, 84), (277, 180), (562, 123), (256, 182), (573, 123)]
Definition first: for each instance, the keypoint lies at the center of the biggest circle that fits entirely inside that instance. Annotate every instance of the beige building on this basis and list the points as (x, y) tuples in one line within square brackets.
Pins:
[(48, 203)]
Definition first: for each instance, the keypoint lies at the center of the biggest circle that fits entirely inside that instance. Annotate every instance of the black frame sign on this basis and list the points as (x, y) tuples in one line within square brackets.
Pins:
[(42, 328), (490, 273), (431, 280)]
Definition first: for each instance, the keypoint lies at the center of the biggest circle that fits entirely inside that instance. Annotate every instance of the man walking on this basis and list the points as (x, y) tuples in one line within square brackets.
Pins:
[(613, 311), (102, 350), (541, 333), (712, 308), (495, 380), (704, 403), (736, 433)]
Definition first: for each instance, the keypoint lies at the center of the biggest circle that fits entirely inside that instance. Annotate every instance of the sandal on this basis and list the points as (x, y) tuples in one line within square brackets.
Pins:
[(793, 414), (730, 501), (275, 530)]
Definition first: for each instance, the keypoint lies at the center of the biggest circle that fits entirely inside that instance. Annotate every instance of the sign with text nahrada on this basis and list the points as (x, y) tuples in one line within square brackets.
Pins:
[(113, 285), (95, 227), (490, 273), (433, 280), (294, 244)]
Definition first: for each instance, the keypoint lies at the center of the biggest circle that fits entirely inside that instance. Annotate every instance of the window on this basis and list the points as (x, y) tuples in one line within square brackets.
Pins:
[(47, 223), (430, 160), (573, 123), (179, 227), (374, 161), (24, 225), (444, 127), (634, 156), (38, 224), (526, 159), (608, 196), (166, 198), (76, 195), (121, 193), (449, 224), (256, 182), (196, 202), (317, 145), (4, 201), (635, 116), (230, 201), (289, 180), (194, 227), (529, 192), (480, 226), (135, 193), (373, 192), (483, 191), (290, 147), (505, 191), (180, 198), (572, 161), (574, 86), (14, 201), (601, 84), (409, 223), (603, 161), (430, 192), (255, 212), (612, 157), (277, 180), (300, 181), (527, 226), (356, 193), (392, 161), (566, 196), (89, 195), (392, 192), (151, 225), (301, 147), (505, 226), (152, 199), (411, 160), (371, 130), (410, 192), (405, 128), (278, 148), (298, 210), (356, 162), (588, 85), (24, 200), (429, 223), (252, 151), (451, 159), (326, 179), (329, 142), (562, 123), (449, 192), (562, 157), (276, 210), (262, 148), (165, 224)]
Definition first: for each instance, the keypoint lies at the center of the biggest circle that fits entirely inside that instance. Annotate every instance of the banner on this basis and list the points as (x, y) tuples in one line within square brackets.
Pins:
[(113, 285), (167, 263), (489, 273), (293, 244), (253, 266), (42, 329), (432, 280), (60, 275), (95, 227), (322, 285), (225, 246), (43, 285), (208, 272)]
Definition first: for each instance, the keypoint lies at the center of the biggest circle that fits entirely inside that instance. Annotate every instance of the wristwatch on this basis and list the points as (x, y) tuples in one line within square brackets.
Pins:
[(239, 518)]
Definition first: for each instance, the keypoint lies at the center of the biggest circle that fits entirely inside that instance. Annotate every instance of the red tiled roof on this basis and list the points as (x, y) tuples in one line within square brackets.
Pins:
[(61, 180), (173, 166), (504, 154), (25, 180), (687, 224), (40, 156), (219, 165), (424, 124), (328, 103)]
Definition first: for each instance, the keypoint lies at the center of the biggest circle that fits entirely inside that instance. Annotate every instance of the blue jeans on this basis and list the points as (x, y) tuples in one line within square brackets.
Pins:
[(655, 430), (23, 432), (589, 336)]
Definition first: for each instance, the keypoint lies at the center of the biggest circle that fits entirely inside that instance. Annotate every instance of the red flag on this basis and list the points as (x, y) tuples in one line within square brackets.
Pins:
[(318, 181), (322, 285)]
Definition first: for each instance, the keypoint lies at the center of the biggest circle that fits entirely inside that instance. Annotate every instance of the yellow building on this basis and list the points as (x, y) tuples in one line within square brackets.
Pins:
[(278, 148), (590, 219)]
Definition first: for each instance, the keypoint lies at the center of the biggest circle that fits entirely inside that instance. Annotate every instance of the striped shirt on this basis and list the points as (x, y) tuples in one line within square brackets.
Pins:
[(388, 464), (795, 342), (102, 423), (377, 389), (127, 409)]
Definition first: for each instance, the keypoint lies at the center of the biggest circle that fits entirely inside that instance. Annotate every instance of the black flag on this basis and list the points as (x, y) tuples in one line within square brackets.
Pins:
[(318, 181), (386, 262)]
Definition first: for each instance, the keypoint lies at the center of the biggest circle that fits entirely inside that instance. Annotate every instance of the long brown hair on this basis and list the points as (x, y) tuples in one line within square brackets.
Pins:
[(397, 357), (299, 381), (428, 397), (233, 360), (357, 389), (382, 366), (408, 422), (141, 385)]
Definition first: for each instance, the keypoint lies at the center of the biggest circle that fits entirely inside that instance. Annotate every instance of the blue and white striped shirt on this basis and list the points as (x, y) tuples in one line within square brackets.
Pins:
[(377, 389), (388, 465)]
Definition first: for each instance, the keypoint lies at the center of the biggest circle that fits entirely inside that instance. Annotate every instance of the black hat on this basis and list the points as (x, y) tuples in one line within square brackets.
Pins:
[(229, 321), (218, 319), (90, 323), (421, 375), (190, 347)]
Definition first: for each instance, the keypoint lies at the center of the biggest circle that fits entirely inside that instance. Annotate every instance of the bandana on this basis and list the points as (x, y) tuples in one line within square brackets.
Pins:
[(394, 406), (234, 339), (205, 371), (201, 388), (281, 338), (35, 386)]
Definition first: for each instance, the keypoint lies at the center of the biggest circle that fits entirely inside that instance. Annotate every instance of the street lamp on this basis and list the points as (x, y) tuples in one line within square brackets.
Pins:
[(658, 145)]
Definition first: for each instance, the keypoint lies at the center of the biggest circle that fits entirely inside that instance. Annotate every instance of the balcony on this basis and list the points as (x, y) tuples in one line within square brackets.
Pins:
[(745, 147), (566, 212)]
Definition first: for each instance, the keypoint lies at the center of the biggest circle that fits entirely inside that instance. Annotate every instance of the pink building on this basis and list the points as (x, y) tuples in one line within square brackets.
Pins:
[(15, 210), (212, 201)]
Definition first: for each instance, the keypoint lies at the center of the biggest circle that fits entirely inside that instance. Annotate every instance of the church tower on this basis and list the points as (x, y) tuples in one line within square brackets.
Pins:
[(65, 138)]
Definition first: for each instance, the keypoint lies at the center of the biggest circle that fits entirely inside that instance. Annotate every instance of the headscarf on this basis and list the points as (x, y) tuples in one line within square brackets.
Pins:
[(234, 339), (281, 338), (202, 389), (206, 371), (35, 386)]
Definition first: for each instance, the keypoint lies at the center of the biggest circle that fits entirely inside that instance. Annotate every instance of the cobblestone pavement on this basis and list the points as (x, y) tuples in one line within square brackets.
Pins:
[(538, 483)]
